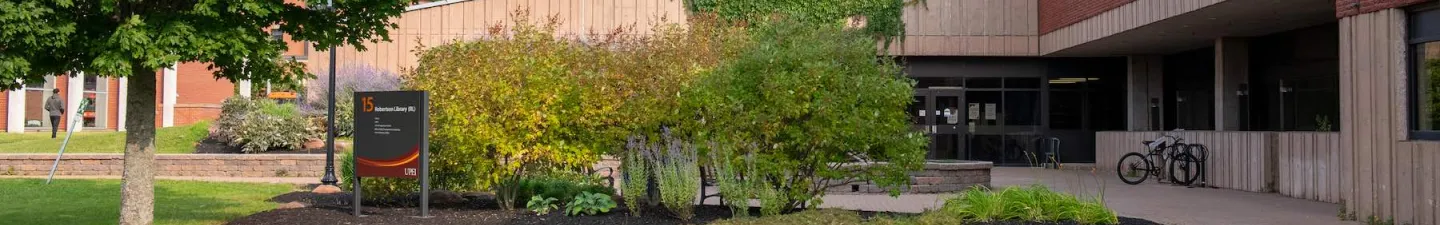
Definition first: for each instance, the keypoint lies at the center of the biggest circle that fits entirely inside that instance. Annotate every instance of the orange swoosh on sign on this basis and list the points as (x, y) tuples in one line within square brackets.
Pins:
[(414, 154)]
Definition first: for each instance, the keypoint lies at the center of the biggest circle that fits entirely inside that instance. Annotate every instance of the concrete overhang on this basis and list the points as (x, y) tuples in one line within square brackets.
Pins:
[(1169, 26)]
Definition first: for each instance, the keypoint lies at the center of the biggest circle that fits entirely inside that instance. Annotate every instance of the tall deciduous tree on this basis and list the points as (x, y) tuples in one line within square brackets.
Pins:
[(131, 39)]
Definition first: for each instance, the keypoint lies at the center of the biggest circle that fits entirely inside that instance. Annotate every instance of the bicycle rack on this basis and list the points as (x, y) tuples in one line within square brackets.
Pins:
[(1203, 153)]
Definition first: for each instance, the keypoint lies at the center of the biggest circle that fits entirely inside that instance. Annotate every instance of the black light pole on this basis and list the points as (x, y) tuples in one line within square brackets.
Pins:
[(329, 178)]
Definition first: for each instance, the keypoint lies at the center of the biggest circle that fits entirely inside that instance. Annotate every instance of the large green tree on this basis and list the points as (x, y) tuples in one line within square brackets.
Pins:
[(131, 39)]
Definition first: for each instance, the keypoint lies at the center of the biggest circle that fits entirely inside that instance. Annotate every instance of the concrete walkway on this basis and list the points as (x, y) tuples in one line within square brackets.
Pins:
[(1156, 202)]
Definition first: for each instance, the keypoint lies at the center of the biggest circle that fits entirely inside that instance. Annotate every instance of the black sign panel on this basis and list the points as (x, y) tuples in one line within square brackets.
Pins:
[(390, 133)]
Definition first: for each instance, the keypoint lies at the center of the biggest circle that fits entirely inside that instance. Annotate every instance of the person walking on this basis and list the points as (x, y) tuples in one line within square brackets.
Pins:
[(56, 108)]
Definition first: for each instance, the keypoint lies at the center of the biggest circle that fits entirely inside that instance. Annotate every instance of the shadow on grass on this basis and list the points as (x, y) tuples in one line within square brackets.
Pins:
[(98, 201)]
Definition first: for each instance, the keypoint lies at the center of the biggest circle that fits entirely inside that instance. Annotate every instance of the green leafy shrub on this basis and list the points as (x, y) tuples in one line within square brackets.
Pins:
[(526, 99), (500, 106), (589, 204), (541, 205), (232, 115), (803, 100), (259, 125), (273, 126)]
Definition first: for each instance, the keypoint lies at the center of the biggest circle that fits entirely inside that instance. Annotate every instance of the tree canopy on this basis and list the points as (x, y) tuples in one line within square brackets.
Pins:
[(117, 37)]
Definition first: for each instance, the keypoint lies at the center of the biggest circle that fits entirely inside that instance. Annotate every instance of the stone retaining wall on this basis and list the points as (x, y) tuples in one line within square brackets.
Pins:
[(938, 177), (189, 165)]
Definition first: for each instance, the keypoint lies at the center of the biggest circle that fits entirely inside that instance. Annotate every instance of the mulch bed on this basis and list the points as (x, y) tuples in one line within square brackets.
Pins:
[(482, 209)]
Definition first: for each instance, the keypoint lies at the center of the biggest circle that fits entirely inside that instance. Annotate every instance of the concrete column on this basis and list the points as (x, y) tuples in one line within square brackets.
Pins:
[(245, 84), (1232, 70), (1143, 92), (15, 111), (244, 88), (124, 92), (74, 92), (167, 110)]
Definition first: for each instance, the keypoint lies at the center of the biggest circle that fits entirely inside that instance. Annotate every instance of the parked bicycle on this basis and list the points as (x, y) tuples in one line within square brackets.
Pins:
[(1178, 162)]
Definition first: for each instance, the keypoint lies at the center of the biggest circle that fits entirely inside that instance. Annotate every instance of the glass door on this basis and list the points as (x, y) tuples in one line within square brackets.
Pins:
[(939, 113)]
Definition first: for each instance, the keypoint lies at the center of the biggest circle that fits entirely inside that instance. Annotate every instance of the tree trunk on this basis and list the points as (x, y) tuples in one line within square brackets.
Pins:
[(137, 195)]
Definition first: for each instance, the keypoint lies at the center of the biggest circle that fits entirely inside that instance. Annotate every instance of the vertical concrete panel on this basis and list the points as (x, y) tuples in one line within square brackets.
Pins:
[(1286, 165), (1347, 124), (1365, 150), (1405, 186), (1381, 78)]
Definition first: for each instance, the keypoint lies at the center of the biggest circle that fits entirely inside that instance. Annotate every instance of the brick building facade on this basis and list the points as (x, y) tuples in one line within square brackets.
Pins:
[(1055, 14)]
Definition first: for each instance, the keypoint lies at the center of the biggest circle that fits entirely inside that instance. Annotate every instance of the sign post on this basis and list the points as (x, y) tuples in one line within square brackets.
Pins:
[(392, 140), (69, 131)]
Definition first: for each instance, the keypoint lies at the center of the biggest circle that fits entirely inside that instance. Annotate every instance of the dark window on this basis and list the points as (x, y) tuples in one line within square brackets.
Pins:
[(1189, 90), (1294, 81), (982, 82), (1067, 109), (1022, 82), (1022, 108), (1424, 40)]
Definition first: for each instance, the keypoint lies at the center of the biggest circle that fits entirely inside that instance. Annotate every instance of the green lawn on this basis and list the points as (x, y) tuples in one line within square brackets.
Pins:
[(69, 201), (179, 139)]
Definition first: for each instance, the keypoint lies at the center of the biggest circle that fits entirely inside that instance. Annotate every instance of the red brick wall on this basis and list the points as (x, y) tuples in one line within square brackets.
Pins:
[(113, 105), (62, 82), (1346, 8), (199, 94), (1056, 14), (5, 104)]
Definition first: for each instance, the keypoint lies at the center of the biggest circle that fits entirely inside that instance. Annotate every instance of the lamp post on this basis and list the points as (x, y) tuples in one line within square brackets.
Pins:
[(329, 178)]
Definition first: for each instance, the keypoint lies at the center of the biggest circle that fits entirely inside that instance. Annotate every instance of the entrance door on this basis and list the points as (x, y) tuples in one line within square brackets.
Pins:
[(943, 118)]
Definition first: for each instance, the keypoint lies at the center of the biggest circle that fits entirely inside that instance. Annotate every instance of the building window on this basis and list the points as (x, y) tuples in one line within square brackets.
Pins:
[(277, 34), (1424, 41), (35, 95), (97, 93)]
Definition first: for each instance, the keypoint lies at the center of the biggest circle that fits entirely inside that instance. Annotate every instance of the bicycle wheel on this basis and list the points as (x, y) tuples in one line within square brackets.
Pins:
[(1133, 168), (1184, 169)]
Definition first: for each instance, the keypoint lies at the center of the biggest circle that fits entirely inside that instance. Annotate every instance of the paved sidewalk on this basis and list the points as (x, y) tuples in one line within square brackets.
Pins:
[(1156, 202), (273, 180)]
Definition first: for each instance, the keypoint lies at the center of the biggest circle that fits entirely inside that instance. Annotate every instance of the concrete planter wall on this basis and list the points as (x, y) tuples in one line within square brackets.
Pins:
[(937, 177)]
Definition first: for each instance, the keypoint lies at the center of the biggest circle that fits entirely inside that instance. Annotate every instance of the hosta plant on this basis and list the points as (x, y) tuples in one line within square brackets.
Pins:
[(541, 205), (589, 204)]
